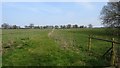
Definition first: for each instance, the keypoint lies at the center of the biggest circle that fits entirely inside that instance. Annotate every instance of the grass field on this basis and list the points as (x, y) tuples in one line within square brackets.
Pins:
[(57, 47)]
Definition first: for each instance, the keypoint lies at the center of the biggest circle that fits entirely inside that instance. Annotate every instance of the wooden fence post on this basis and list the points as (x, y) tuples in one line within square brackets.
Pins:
[(89, 44), (113, 53)]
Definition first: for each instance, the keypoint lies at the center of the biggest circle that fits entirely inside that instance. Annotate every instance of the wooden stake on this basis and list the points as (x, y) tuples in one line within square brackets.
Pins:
[(89, 44), (113, 53)]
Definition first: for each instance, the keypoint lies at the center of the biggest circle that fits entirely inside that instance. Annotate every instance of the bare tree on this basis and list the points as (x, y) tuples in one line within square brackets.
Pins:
[(5, 26), (56, 26), (62, 26), (75, 26), (31, 25), (69, 26), (110, 14), (90, 26)]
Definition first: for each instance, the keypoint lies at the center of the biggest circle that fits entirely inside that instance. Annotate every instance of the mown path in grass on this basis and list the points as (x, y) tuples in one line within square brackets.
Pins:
[(50, 33)]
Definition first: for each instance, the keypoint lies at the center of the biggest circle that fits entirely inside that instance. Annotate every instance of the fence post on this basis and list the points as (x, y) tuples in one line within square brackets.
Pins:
[(113, 53), (89, 44)]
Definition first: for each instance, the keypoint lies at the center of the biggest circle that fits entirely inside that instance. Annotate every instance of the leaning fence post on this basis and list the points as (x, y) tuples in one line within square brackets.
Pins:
[(89, 44), (113, 53)]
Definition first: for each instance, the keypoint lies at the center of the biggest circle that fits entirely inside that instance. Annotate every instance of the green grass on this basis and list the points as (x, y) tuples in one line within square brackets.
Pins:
[(64, 47)]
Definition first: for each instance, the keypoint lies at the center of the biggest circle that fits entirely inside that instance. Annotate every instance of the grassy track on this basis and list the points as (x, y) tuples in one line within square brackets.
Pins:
[(59, 47)]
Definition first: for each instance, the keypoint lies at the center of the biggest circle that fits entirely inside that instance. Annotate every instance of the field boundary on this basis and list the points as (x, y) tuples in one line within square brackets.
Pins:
[(112, 48)]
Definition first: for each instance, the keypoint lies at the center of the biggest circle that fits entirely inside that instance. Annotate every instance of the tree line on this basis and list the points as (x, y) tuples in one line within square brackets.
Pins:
[(32, 26)]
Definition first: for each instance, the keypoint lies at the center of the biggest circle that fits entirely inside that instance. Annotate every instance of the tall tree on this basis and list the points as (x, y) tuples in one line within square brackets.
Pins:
[(90, 26), (110, 14), (69, 26), (5, 26), (75, 26), (14, 26), (56, 26), (31, 25)]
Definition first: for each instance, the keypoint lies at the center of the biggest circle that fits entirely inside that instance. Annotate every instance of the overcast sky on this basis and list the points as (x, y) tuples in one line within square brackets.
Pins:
[(52, 13)]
